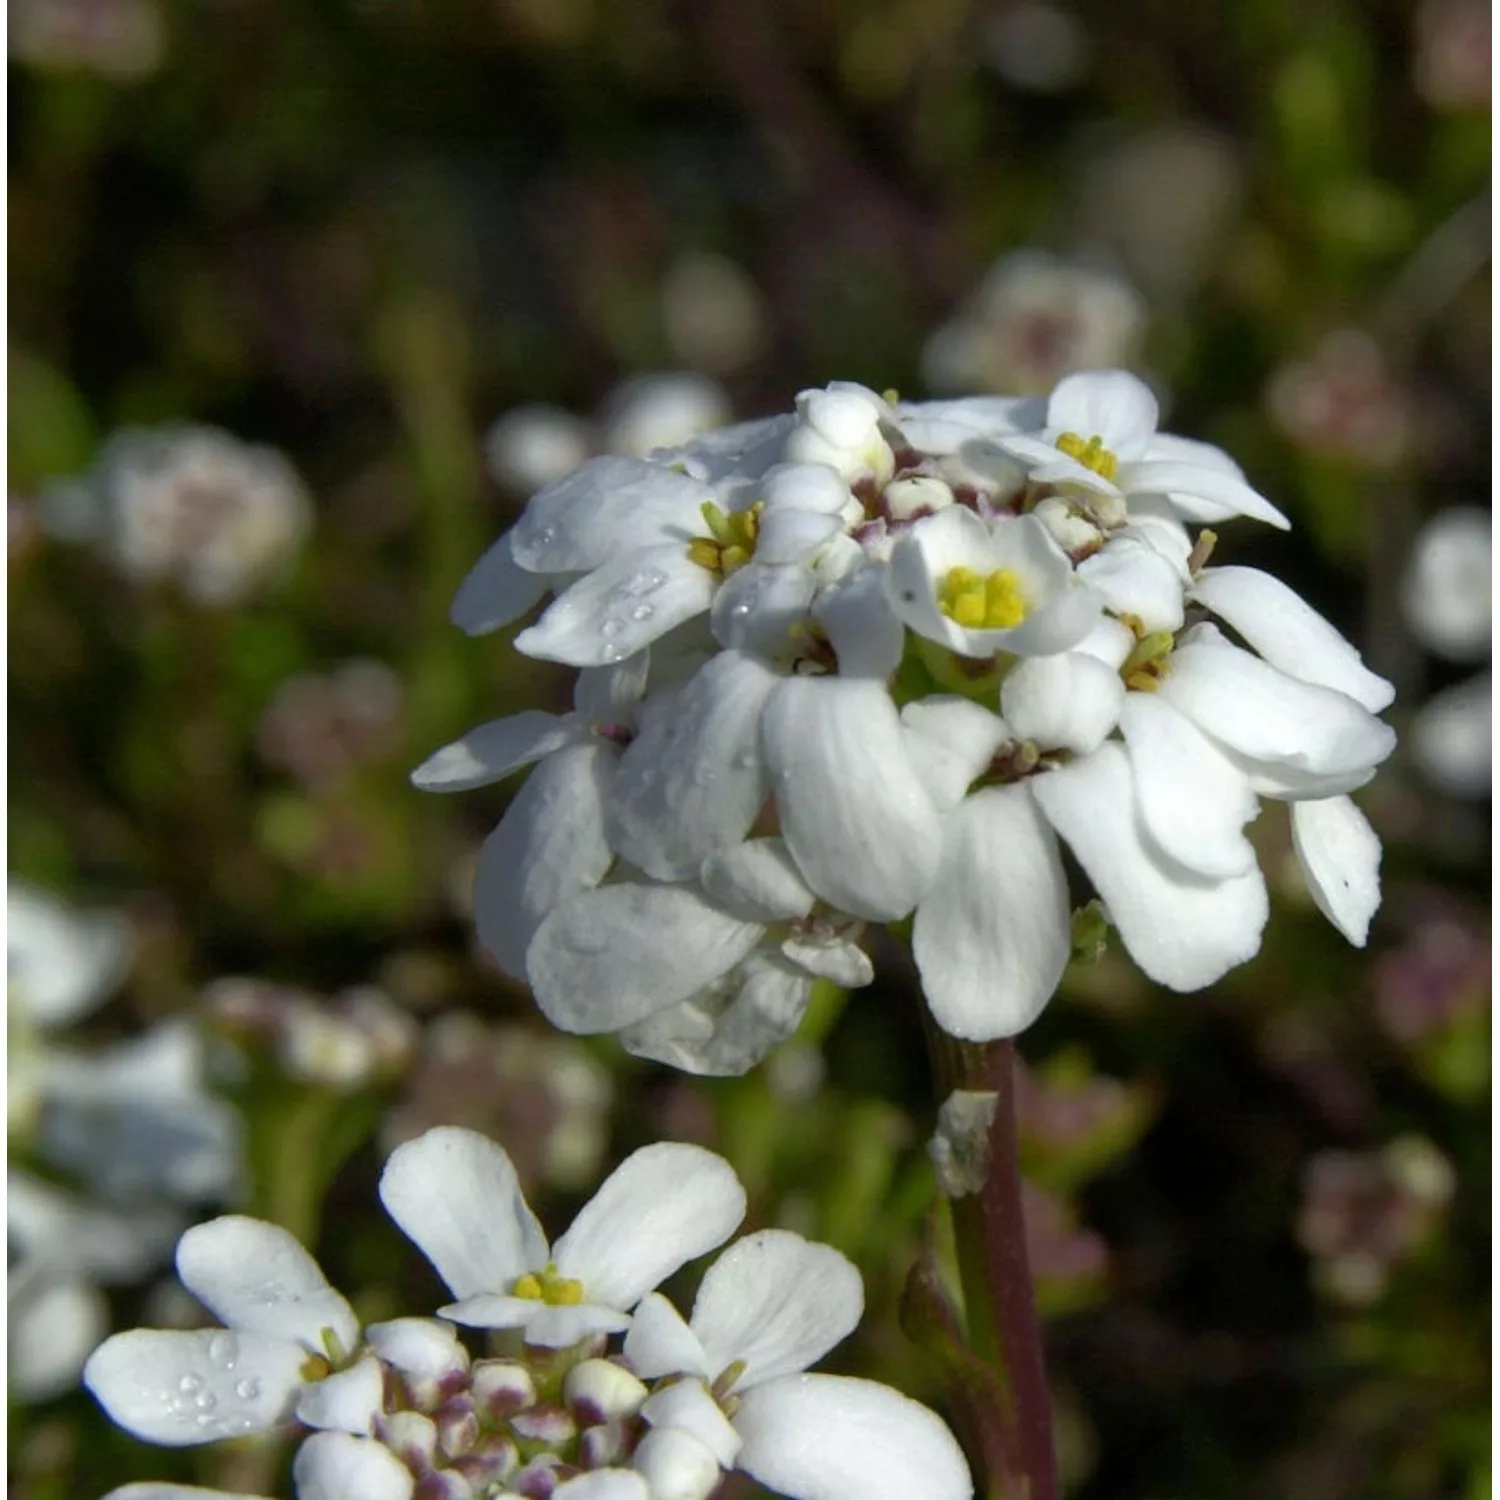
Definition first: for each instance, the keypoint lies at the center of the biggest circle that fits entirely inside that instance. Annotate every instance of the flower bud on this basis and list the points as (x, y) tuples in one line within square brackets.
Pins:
[(599, 1390), (502, 1387), (676, 1466)]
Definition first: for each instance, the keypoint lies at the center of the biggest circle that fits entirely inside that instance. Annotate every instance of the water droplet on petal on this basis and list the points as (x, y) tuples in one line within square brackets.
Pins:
[(642, 612), (206, 1401), (546, 536), (247, 1390), (611, 627), (223, 1351), (206, 1419), (189, 1382)]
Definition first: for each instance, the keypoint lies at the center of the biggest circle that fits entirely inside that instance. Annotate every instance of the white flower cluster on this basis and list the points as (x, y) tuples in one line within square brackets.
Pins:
[(401, 1409), (866, 662)]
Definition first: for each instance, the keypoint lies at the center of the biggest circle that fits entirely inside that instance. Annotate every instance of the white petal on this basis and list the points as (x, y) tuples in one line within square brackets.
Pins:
[(1065, 702), (1109, 641), (1340, 857), (759, 608), (992, 937), (179, 1388), (543, 1326), (1110, 404), (1046, 464), (258, 1279), (767, 998), (661, 1207), (496, 592), (839, 961), (950, 740), (1270, 718), (943, 427), (863, 629), (804, 487), (1290, 634), (68, 1235), (1193, 801), (455, 1195), (660, 1342), (828, 1437), (688, 1406), (494, 750), (550, 845), (676, 1466), (611, 957), (346, 1401), (854, 815), (607, 506), (620, 608), (758, 881), (1184, 933), (788, 536), (1135, 579), (155, 1489), (693, 781), (1200, 493), (777, 1302), (604, 1484), (609, 695), (335, 1466), (421, 1347)]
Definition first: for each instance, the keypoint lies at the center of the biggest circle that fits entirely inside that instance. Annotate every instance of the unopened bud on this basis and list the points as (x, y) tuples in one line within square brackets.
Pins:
[(457, 1426), (553, 1425), (502, 1387), (599, 1390), (676, 1466), (410, 1436)]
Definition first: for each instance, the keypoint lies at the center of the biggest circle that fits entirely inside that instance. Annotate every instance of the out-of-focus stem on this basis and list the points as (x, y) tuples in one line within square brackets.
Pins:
[(1014, 1421)]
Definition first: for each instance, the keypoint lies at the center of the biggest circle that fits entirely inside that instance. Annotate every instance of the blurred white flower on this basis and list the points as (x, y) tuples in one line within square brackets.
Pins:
[(133, 1122), (770, 1306), (648, 412), (533, 445), (190, 505), (123, 40), (1452, 738), (1037, 46), (1447, 591), (713, 312), (1034, 319)]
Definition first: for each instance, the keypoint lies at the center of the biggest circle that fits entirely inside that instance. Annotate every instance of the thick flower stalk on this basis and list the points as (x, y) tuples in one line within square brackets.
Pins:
[(870, 662), (402, 1410)]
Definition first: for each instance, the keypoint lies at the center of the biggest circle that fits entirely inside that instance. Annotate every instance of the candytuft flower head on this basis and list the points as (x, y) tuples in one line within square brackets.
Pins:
[(868, 662)]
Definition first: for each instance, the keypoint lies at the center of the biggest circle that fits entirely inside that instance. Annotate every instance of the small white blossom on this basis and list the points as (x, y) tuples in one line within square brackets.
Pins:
[(1446, 593), (456, 1195), (770, 1306)]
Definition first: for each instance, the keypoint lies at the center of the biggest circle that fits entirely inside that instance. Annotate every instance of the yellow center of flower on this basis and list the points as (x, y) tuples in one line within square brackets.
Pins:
[(731, 540), (547, 1286), (1092, 454), (982, 603)]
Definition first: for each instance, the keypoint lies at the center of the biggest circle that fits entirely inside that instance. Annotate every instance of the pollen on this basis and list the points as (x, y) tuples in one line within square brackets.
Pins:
[(731, 540), (547, 1286), (979, 602), (1091, 453)]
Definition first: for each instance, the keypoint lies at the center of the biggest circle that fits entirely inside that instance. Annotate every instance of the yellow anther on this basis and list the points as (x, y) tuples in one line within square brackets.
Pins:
[(732, 541), (982, 603), (314, 1367), (891, 396), (547, 1286), (1091, 453)]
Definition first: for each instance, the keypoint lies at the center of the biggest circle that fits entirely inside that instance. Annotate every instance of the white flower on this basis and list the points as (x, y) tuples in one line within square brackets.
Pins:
[(769, 1307), (1452, 738), (650, 412), (534, 445), (1033, 320), (1100, 442), (199, 507), (456, 1195), (980, 588), (842, 427)]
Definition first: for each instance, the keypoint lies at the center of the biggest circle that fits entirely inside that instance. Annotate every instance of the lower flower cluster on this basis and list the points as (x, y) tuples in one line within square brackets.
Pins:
[(594, 1386)]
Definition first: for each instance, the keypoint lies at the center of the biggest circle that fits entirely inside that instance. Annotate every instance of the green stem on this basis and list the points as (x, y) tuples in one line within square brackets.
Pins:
[(1014, 1422)]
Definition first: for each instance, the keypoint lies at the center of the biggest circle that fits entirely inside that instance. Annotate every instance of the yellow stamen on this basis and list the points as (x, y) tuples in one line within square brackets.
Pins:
[(731, 543), (982, 603), (1091, 453), (547, 1286)]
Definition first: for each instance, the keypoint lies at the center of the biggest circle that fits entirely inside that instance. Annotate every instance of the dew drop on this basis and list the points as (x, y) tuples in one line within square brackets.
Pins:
[(638, 585), (223, 1351), (642, 612), (611, 627), (546, 536), (206, 1401), (180, 1406), (206, 1419), (740, 610), (189, 1382), (247, 1390)]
